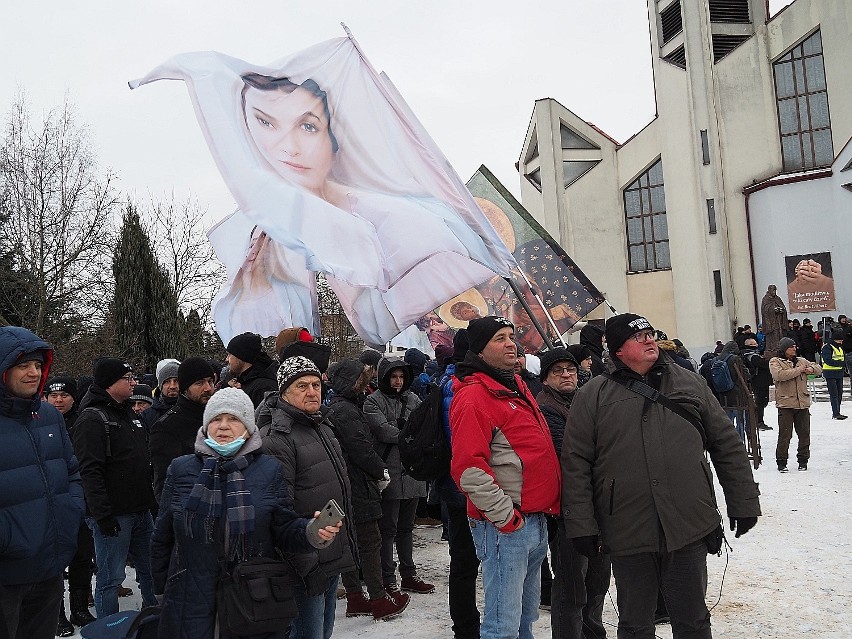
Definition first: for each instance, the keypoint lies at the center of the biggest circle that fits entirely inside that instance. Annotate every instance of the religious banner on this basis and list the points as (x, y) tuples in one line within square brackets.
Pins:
[(565, 291), (810, 285), (332, 173)]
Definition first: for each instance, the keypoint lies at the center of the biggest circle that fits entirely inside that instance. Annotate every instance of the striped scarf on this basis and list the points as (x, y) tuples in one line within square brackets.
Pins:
[(205, 501)]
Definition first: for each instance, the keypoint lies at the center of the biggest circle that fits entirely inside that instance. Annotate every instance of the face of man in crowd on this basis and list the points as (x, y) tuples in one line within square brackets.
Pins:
[(226, 428), (236, 365), (170, 388), (397, 379), (121, 390), (790, 353), (139, 406), (304, 394), (586, 364), (501, 352), (562, 377), (23, 380), (62, 401), (201, 391), (639, 352)]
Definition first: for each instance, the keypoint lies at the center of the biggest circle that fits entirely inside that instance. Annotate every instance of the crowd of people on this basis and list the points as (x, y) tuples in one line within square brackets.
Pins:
[(594, 454)]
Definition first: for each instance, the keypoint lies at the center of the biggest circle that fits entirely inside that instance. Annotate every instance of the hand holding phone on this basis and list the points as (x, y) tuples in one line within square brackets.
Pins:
[(331, 516)]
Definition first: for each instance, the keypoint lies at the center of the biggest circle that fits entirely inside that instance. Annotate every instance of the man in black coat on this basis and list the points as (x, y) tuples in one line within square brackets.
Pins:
[(251, 368), (111, 445), (174, 433), (761, 379), (168, 391)]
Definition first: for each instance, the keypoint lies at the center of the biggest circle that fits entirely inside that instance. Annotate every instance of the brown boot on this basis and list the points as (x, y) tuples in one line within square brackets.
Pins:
[(416, 584), (357, 604), (385, 607)]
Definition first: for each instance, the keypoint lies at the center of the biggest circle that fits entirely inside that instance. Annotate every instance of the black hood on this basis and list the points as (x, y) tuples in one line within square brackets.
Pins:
[(389, 364), (344, 376), (590, 337)]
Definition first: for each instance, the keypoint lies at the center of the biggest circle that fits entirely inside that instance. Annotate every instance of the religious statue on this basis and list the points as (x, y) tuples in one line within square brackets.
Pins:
[(774, 315)]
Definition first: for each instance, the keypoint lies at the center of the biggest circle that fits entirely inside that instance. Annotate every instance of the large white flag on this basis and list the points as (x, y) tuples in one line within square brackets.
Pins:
[(331, 172)]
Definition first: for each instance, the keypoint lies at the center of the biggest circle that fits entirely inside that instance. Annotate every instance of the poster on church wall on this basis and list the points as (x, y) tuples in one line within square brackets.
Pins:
[(810, 284)]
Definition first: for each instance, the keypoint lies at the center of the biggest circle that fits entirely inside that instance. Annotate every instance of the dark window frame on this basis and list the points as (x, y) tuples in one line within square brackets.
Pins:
[(645, 219), (711, 216), (717, 288)]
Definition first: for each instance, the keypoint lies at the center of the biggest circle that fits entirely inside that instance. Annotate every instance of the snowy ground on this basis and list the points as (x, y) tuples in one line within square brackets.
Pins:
[(788, 577)]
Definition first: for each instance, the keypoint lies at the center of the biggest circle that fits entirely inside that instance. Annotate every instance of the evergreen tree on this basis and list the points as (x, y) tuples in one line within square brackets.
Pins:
[(149, 325)]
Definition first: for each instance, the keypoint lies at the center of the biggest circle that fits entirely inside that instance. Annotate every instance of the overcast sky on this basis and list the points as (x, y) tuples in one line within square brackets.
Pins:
[(470, 71)]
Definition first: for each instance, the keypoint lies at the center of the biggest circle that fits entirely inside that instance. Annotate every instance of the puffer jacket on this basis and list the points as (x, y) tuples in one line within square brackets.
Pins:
[(346, 420), (791, 382), (385, 411), (315, 472), (503, 456), (636, 473), (185, 565), (41, 502)]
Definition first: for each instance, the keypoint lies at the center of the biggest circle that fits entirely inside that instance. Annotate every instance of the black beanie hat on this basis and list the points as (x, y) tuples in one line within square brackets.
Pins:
[(142, 393), (245, 346), (318, 353), (621, 327), (461, 344), (61, 384), (549, 358), (370, 357), (480, 331), (108, 370), (193, 369)]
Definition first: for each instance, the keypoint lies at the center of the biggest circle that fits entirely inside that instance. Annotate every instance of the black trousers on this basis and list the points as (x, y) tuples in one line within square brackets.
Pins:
[(29, 611), (464, 570), (369, 552), (80, 568)]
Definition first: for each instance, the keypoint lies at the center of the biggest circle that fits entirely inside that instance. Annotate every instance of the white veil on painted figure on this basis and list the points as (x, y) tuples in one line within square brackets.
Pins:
[(390, 223)]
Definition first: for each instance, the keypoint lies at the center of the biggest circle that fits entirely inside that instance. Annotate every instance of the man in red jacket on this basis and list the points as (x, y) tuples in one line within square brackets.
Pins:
[(505, 463)]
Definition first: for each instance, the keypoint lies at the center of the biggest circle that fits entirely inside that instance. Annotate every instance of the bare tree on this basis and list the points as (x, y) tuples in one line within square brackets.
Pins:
[(335, 329), (56, 234)]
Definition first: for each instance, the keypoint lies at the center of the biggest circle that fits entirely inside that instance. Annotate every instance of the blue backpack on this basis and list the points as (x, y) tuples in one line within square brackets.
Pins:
[(126, 624), (720, 374)]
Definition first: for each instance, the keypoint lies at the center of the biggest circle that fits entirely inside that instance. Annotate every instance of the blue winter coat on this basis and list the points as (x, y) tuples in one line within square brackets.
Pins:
[(185, 567), (41, 500)]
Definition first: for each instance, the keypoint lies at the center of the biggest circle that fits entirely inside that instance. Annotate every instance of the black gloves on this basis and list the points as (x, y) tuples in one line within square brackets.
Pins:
[(586, 546), (109, 526), (400, 422), (316, 582), (742, 524)]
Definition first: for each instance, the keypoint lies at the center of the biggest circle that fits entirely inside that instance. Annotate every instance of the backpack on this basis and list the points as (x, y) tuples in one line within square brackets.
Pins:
[(423, 448), (127, 624), (720, 374)]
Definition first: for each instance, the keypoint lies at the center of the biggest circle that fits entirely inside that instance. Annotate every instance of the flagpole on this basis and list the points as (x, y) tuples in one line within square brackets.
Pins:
[(547, 314), (527, 308)]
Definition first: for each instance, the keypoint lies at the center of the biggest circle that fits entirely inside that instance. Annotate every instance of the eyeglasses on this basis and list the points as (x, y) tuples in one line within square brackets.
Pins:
[(129, 378), (642, 336), (558, 371)]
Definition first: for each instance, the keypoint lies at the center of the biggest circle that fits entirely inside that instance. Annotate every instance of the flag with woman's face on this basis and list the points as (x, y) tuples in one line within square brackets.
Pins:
[(332, 173)]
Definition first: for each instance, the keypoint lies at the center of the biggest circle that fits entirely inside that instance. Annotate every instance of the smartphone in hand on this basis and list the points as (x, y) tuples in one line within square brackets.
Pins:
[(330, 515)]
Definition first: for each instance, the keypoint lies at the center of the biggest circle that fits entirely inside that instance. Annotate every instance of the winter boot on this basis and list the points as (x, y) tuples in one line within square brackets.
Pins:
[(80, 615), (357, 604), (63, 626), (385, 607), (416, 584)]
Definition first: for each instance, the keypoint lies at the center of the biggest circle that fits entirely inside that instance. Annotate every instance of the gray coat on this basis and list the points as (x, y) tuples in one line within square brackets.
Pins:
[(637, 473), (384, 411)]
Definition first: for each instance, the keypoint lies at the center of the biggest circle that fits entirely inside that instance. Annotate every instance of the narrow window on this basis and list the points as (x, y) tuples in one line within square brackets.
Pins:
[(647, 226), (717, 286), (711, 215), (705, 147)]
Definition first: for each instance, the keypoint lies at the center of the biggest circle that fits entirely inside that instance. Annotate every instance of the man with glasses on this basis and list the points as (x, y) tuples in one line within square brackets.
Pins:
[(635, 482), (580, 583), (111, 445)]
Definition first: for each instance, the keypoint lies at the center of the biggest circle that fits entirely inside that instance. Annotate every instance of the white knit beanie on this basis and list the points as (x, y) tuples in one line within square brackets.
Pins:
[(234, 402)]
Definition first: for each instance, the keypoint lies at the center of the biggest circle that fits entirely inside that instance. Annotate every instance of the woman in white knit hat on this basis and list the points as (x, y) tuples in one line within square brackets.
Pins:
[(228, 500)]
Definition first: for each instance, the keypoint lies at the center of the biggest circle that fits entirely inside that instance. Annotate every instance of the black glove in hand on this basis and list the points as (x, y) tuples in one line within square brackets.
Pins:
[(742, 524), (400, 422), (586, 546), (109, 526), (316, 582)]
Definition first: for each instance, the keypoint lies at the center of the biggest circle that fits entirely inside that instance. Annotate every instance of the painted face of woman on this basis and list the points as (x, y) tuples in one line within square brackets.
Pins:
[(290, 129)]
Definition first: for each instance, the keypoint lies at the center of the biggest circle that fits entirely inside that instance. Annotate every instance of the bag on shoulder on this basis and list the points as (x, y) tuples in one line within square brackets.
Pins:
[(423, 449), (720, 374), (256, 597)]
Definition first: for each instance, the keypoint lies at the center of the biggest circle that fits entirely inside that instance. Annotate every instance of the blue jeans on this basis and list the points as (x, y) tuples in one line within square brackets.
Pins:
[(511, 576), (835, 393), (739, 418), (134, 539), (316, 614)]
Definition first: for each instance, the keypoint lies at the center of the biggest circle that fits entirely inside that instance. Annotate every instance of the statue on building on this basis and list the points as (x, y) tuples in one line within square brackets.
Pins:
[(774, 315)]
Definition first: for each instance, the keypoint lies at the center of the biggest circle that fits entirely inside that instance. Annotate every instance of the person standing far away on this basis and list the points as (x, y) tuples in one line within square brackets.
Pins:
[(761, 380), (252, 369), (142, 398), (580, 583), (167, 392), (790, 374), (112, 446), (635, 482), (846, 327), (41, 504), (504, 461), (832, 371)]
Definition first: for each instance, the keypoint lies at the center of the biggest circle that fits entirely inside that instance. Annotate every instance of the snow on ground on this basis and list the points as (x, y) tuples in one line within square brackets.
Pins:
[(788, 577)]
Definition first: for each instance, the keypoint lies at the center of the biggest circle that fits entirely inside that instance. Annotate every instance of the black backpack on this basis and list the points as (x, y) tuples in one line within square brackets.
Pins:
[(720, 373), (423, 448)]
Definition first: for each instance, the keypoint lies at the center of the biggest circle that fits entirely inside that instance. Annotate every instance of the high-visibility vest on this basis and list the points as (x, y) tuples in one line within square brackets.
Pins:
[(837, 355)]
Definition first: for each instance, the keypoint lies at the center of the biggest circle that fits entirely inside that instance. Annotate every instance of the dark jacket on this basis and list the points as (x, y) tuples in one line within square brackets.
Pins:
[(447, 488), (738, 396), (832, 367), (118, 484), (315, 472), (347, 422), (160, 407), (758, 368), (259, 379), (173, 435), (185, 567), (807, 342), (554, 406), (590, 337), (386, 412), (41, 499), (636, 471)]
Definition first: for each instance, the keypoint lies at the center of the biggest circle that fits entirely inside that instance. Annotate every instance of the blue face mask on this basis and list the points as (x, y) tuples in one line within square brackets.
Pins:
[(227, 449)]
